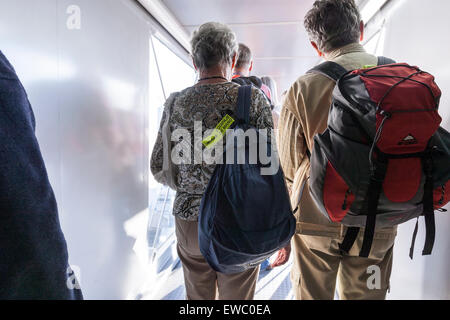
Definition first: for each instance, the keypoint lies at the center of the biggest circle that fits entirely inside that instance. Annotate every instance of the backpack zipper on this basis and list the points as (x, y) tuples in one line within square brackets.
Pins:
[(347, 194)]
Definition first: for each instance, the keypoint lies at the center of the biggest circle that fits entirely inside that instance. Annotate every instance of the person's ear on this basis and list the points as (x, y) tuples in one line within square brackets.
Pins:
[(320, 53), (233, 61), (251, 67), (193, 63), (361, 29)]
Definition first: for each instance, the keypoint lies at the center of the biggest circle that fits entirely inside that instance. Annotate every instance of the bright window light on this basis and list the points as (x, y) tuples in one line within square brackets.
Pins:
[(371, 8), (166, 18)]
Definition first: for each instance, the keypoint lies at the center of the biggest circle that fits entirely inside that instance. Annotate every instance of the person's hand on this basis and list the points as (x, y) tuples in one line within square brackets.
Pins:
[(282, 257)]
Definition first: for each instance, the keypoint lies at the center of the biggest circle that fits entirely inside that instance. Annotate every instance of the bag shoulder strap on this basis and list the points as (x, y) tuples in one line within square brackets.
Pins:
[(243, 104), (335, 71), (256, 81), (329, 69), (384, 61), (168, 105), (167, 175)]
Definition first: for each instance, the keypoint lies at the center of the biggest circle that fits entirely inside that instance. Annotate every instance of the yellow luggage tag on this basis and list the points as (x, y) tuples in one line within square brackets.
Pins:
[(218, 132)]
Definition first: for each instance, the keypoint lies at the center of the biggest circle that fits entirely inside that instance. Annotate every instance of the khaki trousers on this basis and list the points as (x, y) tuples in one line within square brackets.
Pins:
[(201, 281), (318, 264)]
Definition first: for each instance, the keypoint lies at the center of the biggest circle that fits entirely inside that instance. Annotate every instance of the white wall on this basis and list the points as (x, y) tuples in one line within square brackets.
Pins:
[(89, 91)]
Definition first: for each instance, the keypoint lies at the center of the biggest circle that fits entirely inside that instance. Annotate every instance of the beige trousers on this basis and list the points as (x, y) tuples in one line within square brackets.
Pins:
[(318, 264), (201, 281)]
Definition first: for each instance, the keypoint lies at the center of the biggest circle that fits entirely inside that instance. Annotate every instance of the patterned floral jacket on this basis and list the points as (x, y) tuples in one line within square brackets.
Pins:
[(207, 104)]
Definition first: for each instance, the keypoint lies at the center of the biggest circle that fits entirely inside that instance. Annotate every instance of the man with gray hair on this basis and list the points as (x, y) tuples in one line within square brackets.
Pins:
[(242, 69), (335, 30), (244, 63)]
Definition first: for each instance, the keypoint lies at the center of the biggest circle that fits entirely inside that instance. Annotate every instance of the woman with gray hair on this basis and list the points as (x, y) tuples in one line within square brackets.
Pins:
[(214, 96)]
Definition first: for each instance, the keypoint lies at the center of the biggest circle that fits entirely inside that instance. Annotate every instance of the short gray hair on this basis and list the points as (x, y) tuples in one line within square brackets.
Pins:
[(332, 24), (245, 56), (212, 44)]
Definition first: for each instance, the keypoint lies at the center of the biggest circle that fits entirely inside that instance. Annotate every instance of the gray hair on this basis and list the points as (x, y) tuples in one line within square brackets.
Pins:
[(213, 44), (270, 82), (332, 24), (245, 56)]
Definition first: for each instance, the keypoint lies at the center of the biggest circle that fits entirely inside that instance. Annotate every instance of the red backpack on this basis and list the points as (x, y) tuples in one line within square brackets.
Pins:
[(383, 159)]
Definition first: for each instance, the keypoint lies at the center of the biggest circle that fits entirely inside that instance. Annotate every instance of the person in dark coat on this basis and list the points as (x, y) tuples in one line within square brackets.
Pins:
[(33, 251)]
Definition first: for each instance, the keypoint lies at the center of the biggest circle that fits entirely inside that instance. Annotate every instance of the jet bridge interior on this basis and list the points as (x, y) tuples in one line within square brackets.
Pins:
[(97, 74)]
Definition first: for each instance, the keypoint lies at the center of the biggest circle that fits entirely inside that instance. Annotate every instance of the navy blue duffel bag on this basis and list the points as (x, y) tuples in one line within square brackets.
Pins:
[(245, 216)]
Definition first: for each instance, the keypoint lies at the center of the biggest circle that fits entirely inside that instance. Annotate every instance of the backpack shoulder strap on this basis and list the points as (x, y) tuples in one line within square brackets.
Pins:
[(335, 71), (329, 69), (243, 104), (383, 61), (256, 81), (240, 81)]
